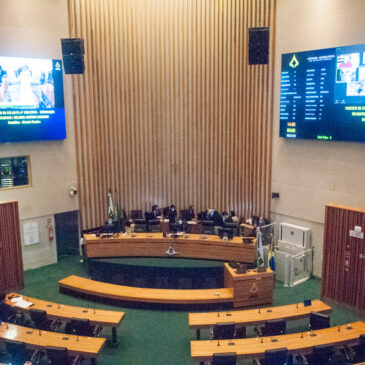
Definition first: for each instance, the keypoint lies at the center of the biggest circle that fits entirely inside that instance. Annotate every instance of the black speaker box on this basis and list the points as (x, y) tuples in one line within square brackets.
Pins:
[(73, 55), (71, 46), (73, 64), (258, 46)]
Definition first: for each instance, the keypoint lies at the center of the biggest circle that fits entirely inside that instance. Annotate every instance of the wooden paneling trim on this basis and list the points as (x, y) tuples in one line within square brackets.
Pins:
[(168, 110)]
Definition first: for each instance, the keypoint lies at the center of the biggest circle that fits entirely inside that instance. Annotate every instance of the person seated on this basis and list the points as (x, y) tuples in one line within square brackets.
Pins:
[(226, 218), (154, 212), (203, 215), (190, 213), (172, 214), (215, 217), (233, 216)]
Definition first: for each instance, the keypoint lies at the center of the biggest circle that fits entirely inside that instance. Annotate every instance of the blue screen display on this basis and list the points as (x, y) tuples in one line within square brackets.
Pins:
[(323, 94), (31, 100)]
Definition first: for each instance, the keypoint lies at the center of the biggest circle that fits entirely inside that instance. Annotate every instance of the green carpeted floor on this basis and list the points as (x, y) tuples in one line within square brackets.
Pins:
[(156, 336)]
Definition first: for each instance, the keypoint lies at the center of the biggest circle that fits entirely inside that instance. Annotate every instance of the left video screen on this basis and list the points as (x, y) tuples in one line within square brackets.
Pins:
[(31, 100)]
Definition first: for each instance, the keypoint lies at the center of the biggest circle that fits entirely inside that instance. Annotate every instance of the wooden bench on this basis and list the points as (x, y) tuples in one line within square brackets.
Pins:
[(65, 313), (127, 293), (253, 317), (86, 347), (296, 342)]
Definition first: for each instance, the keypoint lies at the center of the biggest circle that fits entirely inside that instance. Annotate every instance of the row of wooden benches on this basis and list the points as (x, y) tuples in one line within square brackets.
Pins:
[(89, 347)]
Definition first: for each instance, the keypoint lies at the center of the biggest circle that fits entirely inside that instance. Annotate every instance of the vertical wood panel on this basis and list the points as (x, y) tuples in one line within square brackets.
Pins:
[(168, 110), (343, 268), (11, 261)]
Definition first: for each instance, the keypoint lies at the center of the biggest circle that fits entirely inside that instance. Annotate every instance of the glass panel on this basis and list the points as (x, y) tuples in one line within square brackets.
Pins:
[(14, 172)]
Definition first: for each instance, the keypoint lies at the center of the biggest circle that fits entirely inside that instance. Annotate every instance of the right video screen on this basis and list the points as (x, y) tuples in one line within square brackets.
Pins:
[(323, 94)]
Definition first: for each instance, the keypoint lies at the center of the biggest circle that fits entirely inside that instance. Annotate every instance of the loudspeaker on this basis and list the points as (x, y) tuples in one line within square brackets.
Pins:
[(258, 46), (73, 55)]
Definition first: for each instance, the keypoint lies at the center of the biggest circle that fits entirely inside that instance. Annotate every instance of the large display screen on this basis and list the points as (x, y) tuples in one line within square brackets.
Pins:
[(323, 94), (31, 100)]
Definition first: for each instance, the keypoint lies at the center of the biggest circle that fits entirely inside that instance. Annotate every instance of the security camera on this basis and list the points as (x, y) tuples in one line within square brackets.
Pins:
[(73, 191)]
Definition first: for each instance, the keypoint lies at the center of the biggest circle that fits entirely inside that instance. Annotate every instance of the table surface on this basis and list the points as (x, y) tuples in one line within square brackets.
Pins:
[(256, 347), (64, 312), (35, 339), (120, 292), (158, 236), (252, 317)]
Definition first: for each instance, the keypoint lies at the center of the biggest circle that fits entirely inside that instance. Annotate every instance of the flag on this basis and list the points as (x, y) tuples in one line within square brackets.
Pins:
[(110, 206), (270, 258), (260, 249)]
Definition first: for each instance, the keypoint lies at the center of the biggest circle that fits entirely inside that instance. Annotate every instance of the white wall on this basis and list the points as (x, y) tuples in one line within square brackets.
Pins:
[(310, 174), (33, 28)]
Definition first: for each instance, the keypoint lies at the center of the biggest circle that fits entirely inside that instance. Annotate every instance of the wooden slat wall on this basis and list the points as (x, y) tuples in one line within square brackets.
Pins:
[(11, 261), (168, 110), (343, 268)]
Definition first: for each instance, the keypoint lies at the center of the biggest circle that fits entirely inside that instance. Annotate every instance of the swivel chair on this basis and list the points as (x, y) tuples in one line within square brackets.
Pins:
[(273, 327), (40, 320), (276, 357), (359, 350), (140, 225), (82, 327), (322, 354), (207, 227), (59, 356), (17, 352), (154, 225), (318, 321), (224, 358), (224, 331), (234, 226)]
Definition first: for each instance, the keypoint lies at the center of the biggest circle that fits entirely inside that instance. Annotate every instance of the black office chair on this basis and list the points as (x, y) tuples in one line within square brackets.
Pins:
[(318, 321), (8, 314), (322, 354), (224, 331), (82, 327), (359, 350), (276, 357), (59, 356), (136, 214), (273, 327), (154, 225), (40, 320), (224, 358), (208, 227), (17, 352), (140, 225), (234, 226)]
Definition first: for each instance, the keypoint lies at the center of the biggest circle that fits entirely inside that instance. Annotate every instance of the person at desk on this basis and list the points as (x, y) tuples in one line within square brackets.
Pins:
[(233, 216), (154, 212), (172, 214), (216, 218), (190, 213), (226, 217)]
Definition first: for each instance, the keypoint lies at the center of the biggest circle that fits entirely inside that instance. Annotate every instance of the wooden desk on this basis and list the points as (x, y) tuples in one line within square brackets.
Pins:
[(155, 245), (87, 347), (65, 313), (251, 288), (247, 229), (256, 347), (253, 317), (166, 296)]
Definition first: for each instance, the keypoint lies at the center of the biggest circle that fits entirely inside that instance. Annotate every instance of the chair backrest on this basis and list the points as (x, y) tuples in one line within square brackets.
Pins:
[(39, 318), (16, 350), (322, 354), (5, 312), (359, 350), (140, 225), (136, 214), (276, 356), (224, 330), (234, 226), (224, 358), (207, 227), (318, 321), (81, 327), (274, 327), (57, 355), (154, 225)]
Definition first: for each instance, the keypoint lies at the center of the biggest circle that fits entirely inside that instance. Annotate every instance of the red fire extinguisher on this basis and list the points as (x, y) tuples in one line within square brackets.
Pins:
[(50, 230)]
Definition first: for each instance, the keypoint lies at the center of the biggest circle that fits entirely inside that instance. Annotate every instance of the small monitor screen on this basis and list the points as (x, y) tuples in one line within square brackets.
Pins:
[(31, 100), (323, 94)]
